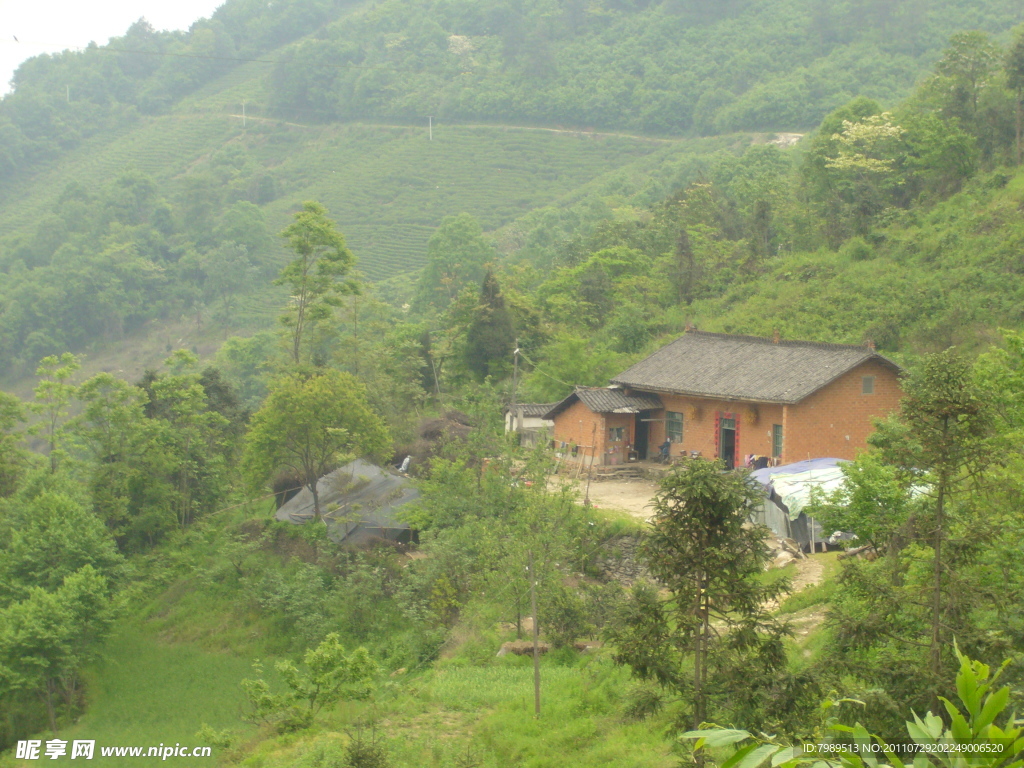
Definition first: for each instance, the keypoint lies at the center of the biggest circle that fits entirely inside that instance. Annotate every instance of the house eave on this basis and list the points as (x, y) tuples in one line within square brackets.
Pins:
[(708, 395)]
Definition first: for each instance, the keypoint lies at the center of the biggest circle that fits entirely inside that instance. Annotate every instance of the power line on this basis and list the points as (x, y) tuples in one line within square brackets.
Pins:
[(538, 370)]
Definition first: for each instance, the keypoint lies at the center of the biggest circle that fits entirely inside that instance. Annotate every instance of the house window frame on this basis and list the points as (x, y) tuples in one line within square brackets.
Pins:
[(867, 385), (777, 441), (616, 434), (674, 427)]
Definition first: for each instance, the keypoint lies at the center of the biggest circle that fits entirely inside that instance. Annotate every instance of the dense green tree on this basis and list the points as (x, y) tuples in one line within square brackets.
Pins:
[(1015, 81), (457, 255), (873, 502), (196, 438), (59, 568), (309, 425), (129, 468), (48, 537), (490, 338), (48, 637), (13, 456), (966, 69), (566, 362)]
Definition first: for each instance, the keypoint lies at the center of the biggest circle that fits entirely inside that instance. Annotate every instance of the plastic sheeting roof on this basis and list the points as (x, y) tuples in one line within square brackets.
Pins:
[(794, 483), (359, 501)]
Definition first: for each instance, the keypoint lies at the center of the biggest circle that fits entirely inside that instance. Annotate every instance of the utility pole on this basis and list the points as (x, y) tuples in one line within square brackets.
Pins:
[(536, 649), (515, 383), (67, 93), (430, 126)]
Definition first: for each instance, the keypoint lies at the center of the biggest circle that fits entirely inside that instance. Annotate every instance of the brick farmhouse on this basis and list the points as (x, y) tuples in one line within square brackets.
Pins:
[(732, 397)]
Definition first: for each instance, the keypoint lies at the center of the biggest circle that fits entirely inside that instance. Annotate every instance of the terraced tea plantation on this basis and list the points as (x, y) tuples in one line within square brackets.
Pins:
[(386, 186)]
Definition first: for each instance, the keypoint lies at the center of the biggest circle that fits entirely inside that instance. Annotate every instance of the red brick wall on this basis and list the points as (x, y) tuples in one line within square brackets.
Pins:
[(837, 419), (576, 425), (753, 426)]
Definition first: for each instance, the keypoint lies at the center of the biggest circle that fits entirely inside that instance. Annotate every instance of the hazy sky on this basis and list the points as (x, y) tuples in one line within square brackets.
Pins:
[(49, 26)]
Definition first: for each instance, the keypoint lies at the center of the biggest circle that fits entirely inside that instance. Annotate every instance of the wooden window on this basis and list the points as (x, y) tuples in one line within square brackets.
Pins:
[(674, 426), (776, 440), (867, 385), (616, 434)]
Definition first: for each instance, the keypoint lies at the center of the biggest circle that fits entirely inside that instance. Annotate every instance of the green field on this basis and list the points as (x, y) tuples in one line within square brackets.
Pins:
[(148, 692)]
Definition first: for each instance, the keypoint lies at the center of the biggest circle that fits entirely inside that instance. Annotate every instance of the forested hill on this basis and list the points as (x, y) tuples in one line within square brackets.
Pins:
[(669, 67), (134, 192)]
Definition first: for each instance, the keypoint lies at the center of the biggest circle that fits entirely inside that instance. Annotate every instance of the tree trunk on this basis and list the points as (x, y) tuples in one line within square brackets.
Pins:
[(699, 663), (51, 714), (936, 641), (316, 500), (519, 617)]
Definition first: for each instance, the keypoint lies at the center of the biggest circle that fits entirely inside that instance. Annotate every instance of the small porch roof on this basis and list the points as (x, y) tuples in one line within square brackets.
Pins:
[(608, 400)]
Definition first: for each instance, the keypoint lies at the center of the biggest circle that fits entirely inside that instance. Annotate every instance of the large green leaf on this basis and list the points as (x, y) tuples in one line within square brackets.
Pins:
[(759, 755), (717, 737)]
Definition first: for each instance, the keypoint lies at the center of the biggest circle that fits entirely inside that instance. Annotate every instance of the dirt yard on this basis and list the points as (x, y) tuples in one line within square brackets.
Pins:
[(632, 496)]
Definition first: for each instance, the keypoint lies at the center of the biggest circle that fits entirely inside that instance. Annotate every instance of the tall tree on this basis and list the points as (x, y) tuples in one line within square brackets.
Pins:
[(966, 69), (53, 395), (308, 425), (715, 621), (945, 428), (196, 438), (315, 277), (490, 338)]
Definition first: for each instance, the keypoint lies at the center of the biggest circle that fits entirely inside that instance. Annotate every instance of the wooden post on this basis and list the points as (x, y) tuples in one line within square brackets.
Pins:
[(536, 644), (590, 472)]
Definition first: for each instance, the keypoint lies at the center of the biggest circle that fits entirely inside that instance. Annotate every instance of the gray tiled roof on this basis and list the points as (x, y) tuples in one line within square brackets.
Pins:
[(532, 410), (745, 367), (608, 400)]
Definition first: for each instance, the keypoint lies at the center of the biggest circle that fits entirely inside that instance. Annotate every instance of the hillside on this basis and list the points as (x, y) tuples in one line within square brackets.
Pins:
[(567, 112)]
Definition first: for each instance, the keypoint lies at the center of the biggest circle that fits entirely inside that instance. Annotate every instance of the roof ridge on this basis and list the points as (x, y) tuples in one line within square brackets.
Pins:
[(780, 342)]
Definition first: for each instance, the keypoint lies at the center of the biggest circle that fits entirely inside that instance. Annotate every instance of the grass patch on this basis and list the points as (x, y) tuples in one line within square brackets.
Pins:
[(818, 594), (145, 693), (619, 522)]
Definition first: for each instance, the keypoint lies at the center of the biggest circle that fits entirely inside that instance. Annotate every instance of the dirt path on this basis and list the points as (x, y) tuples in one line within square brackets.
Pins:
[(809, 572)]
